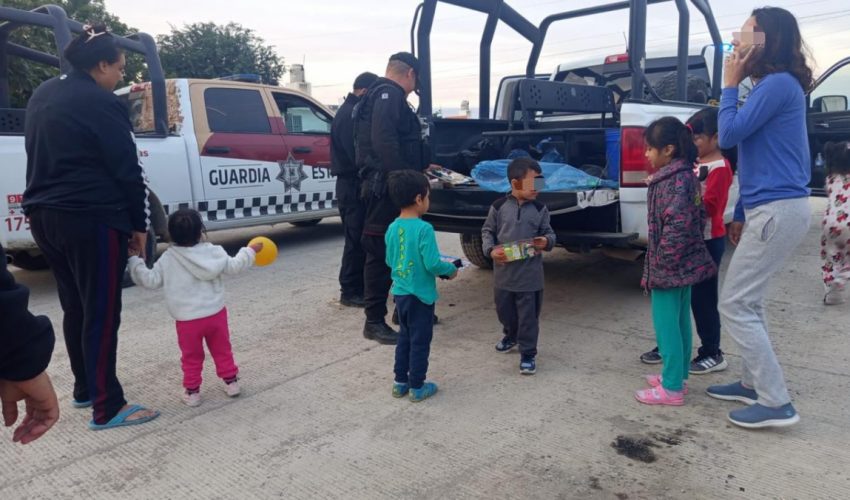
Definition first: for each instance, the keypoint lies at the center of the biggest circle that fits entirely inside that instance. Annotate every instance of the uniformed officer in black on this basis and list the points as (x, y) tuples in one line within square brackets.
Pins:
[(351, 208), (388, 136), (86, 198)]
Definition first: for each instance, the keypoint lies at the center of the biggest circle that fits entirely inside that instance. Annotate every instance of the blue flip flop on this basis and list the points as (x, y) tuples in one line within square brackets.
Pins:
[(120, 420), (81, 404)]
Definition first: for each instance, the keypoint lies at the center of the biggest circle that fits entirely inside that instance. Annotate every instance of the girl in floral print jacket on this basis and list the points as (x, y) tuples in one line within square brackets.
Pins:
[(676, 256), (835, 241)]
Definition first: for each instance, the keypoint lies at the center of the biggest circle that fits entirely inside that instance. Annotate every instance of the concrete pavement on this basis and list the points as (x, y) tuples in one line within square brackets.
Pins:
[(316, 419)]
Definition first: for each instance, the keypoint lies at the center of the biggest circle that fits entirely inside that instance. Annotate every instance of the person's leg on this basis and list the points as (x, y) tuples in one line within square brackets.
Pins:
[(704, 298), (528, 312), (420, 325), (402, 349), (43, 231), (506, 311), (352, 213), (666, 309), (377, 278), (190, 338), (99, 268), (685, 330), (217, 335), (772, 233)]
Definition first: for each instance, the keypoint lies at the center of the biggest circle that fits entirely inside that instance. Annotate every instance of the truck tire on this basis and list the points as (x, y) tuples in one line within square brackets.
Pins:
[(30, 262), (471, 244), (697, 89), (306, 223)]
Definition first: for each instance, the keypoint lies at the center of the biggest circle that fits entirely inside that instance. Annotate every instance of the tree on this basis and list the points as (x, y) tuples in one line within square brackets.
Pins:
[(209, 50), (25, 75)]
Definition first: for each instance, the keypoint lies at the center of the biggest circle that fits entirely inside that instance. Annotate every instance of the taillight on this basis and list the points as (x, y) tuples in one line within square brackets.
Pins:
[(617, 58), (634, 167)]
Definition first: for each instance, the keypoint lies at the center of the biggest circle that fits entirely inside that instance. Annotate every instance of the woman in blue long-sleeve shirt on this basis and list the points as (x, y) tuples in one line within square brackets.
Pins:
[(772, 216)]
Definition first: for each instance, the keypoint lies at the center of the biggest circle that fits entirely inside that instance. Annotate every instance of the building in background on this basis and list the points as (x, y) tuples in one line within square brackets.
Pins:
[(298, 80)]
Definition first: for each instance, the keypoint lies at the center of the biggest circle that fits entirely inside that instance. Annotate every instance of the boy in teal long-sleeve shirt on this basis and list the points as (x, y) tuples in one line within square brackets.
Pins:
[(414, 259)]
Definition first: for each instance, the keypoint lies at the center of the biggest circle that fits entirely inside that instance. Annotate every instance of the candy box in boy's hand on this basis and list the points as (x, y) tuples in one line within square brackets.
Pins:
[(518, 250)]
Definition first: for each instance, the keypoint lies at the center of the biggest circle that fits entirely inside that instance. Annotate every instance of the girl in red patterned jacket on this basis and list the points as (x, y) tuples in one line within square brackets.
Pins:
[(676, 256), (714, 169)]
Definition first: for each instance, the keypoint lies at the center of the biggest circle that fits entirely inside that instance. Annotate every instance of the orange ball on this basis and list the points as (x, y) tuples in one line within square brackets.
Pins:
[(269, 252)]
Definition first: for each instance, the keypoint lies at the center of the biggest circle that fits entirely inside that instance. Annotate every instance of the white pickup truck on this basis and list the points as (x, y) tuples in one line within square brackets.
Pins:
[(240, 153), (594, 113)]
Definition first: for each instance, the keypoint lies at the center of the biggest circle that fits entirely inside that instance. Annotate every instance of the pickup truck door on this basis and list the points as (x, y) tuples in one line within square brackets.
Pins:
[(241, 148), (829, 116), (307, 135)]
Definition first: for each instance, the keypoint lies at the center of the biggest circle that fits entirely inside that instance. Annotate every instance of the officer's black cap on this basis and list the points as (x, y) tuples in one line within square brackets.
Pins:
[(364, 80), (407, 58)]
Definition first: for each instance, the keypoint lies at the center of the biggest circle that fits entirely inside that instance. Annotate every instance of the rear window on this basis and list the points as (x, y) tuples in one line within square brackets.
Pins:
[(661, 72), (140, 103), (236, 111)]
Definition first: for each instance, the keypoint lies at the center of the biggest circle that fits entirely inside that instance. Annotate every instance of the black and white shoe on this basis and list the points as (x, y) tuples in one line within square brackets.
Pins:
[(506, 344), (652, 357), (707, 364)]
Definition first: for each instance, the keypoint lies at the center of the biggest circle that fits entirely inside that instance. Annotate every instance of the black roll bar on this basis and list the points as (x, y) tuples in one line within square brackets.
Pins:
[(54, 18), (499, 10)]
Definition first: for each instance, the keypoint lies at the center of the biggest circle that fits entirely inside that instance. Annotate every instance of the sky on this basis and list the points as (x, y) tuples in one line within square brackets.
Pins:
[(338, 39)]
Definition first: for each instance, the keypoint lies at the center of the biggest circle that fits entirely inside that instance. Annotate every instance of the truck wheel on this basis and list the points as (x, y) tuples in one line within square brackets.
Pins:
[(306, 223), (150, 258), (30, 262), (471, 244)]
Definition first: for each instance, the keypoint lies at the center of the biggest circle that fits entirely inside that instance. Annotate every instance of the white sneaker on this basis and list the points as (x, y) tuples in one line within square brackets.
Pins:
[(193, 399), (834, 296), (232, 389)]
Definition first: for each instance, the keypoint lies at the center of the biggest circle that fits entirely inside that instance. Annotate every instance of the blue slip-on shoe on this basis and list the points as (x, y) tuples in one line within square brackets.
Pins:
[(733, 392), (758, 416), (81, 404), (400, 390), (527, 366), (120, 420), (427, 390)]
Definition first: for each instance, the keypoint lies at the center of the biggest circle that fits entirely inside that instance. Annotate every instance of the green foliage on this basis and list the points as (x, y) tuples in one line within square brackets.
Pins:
[(209, 50), (25, 75)]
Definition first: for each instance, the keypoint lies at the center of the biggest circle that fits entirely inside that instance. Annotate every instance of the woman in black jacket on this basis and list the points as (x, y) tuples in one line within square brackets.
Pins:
[(87, 202)]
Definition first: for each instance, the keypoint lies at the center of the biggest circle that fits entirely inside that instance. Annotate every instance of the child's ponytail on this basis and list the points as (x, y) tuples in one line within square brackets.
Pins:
[(669, 131), (687, 150)]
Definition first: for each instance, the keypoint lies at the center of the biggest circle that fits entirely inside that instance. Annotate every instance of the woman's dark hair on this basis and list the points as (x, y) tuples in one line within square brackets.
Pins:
[(669, 131), (92, 46), (405, 185), (784, 49), (704, 121), (185, 227), (837, 158)]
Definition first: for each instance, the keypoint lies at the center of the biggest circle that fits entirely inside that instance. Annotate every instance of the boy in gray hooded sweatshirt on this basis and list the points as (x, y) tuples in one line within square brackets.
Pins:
[(519, 283)]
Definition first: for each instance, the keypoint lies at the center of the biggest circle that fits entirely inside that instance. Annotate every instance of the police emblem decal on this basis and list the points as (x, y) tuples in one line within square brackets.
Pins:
[(291, 173)]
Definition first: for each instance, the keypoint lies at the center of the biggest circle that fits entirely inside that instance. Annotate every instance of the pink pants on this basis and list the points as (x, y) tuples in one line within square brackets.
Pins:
[(190, 338)]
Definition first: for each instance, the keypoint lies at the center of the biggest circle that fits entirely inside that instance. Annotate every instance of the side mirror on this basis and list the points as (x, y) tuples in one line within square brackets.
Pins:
[(830, 103)]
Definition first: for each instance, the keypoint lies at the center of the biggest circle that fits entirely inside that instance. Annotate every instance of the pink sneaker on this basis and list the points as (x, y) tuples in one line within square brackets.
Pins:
[(193, 399), (654, 380), (658, 396)]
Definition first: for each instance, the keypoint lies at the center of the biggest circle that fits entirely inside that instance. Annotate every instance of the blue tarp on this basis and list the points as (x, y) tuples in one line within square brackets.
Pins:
[(493, 176)]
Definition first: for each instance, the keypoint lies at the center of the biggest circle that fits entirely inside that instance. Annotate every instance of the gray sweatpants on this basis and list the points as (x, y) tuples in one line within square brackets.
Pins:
[(519, 313), (771, 234)]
